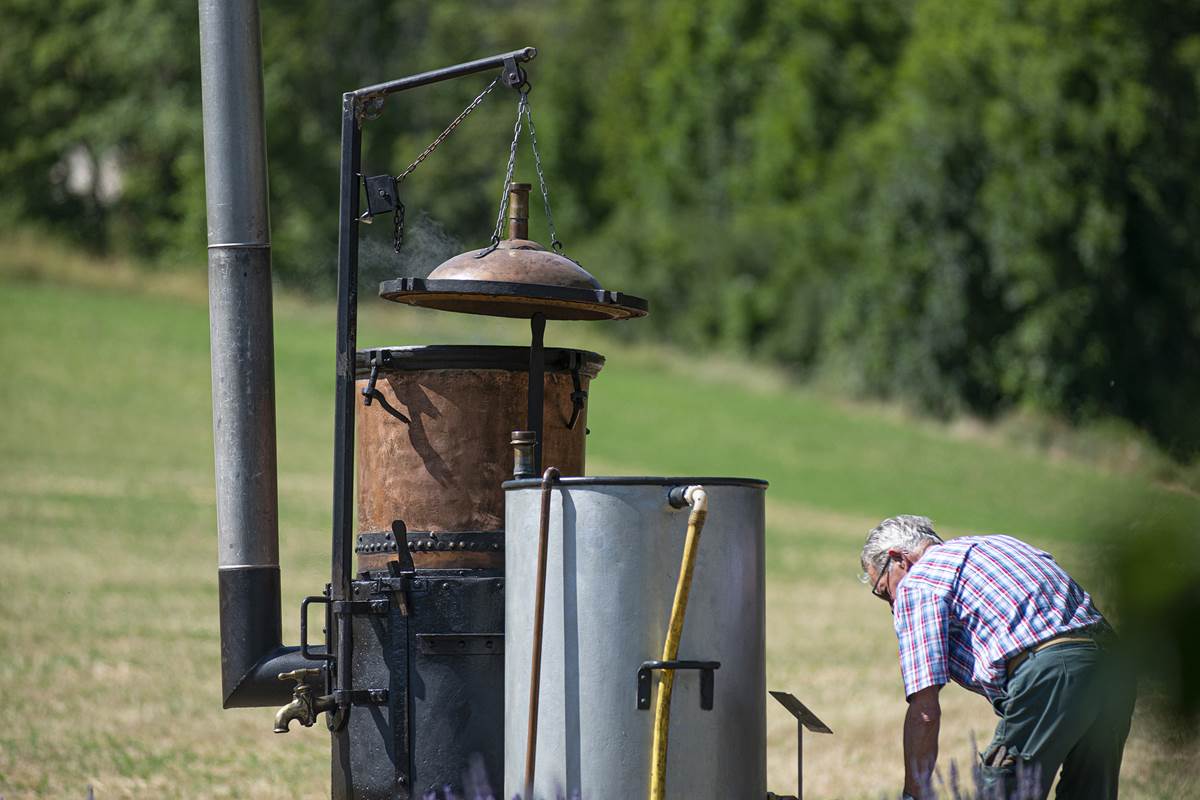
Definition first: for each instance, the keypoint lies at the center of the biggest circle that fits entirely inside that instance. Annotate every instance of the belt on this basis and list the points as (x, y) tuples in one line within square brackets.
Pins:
[(1065, 638)]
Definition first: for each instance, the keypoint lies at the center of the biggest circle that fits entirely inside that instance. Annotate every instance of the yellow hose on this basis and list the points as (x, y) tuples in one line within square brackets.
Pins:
[(698, 499)]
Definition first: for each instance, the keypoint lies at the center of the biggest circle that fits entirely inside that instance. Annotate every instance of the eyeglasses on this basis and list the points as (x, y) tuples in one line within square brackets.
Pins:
[(884, 595)]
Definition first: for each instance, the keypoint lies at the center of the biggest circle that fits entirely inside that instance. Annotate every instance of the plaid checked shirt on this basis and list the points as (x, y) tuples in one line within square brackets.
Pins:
[(971, 604)]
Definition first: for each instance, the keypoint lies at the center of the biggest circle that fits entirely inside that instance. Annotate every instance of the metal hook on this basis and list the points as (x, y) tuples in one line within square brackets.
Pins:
[(490, 248)]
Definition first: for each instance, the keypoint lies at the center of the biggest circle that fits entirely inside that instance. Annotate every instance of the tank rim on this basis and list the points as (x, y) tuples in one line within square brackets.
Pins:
[(507, 358), (636, 480)]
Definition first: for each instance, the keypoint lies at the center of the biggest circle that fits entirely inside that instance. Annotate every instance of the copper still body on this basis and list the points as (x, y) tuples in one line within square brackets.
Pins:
[(434, 447)]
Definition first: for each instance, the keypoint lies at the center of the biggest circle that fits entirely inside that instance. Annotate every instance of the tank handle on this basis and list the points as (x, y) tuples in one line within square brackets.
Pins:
[(370, 393), (578, 394), (706, 669)]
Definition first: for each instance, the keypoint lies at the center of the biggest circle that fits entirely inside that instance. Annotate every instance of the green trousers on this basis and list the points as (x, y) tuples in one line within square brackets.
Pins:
[(1066, 706)]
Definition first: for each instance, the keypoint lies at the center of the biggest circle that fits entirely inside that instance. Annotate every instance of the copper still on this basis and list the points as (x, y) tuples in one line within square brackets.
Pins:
[(434, 446)]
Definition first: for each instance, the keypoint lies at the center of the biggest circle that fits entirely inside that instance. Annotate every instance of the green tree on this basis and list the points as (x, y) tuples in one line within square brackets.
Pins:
[(1021, 207), (87, 85)]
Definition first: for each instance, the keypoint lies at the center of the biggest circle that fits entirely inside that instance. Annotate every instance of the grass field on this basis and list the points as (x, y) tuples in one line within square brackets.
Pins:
[(108, 614)]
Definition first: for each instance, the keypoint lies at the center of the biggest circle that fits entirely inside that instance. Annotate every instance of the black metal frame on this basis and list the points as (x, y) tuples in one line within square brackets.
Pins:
[(354, 107), (357, 107)]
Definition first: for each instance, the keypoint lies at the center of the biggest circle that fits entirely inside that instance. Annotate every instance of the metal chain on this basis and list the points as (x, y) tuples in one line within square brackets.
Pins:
[(537, 160), (449, 129), (398, 216), (522, 104), (398, 227)]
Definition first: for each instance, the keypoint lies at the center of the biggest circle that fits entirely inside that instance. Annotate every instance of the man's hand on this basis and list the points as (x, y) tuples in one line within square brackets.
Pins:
[(921, 725)]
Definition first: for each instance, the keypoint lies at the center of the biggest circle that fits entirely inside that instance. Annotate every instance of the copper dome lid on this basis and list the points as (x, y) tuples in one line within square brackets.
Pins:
[(515, 278)]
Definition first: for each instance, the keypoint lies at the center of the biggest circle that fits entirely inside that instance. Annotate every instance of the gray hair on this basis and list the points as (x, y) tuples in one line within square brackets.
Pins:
[(905, 533)]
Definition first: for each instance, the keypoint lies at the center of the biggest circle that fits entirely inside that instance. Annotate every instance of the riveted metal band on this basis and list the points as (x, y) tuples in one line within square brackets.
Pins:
[(431, 541)]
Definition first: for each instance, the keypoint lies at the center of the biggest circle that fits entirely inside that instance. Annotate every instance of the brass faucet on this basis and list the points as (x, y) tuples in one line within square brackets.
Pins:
[(304, 708)]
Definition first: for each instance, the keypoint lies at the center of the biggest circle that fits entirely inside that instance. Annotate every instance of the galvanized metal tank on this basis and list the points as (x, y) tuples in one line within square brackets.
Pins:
[(615, 546)]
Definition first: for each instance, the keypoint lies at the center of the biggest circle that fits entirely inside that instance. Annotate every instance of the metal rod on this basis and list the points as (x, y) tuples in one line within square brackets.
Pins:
[(799, 761), (347, 338), (523, 55), (340, 633), (537, 385), (539, 608)]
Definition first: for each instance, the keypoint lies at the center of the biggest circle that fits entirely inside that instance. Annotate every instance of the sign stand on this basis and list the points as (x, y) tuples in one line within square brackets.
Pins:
[(804, 719)]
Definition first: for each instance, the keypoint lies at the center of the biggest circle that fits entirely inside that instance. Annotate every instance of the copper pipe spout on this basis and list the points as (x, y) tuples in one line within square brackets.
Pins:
[(518, 211)]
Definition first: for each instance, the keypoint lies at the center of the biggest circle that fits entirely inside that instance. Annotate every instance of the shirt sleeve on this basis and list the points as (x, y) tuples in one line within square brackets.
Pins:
[(922, 622)]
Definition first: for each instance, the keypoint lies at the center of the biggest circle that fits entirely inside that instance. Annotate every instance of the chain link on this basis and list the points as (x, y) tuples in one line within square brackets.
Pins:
[(537, 161)]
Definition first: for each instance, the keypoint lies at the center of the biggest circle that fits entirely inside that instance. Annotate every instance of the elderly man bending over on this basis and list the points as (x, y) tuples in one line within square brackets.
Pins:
[(1002, 619)]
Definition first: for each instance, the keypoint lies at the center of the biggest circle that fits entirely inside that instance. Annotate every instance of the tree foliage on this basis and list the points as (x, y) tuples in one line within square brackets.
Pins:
[(967, 205)]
